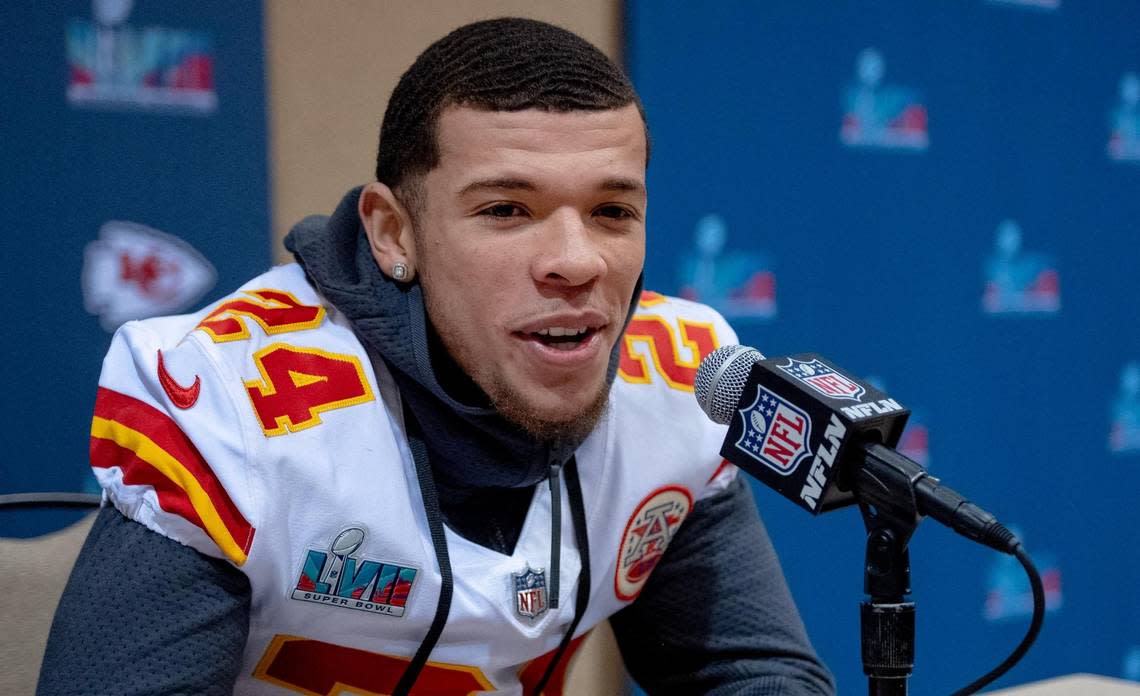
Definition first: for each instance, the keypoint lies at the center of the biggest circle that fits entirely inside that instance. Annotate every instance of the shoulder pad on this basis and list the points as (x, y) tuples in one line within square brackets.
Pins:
[(661, 350), (165, 445), (666, 340)]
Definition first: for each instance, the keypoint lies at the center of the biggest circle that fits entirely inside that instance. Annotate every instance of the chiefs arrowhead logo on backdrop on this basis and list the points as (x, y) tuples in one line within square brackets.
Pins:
[(133, 272)]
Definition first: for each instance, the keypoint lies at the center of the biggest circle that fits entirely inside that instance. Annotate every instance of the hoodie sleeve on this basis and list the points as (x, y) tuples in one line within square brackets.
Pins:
[(748, 639), (143, 614)]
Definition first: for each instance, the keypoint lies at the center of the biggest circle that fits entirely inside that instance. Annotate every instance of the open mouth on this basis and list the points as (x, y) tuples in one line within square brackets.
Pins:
[(561, 338)]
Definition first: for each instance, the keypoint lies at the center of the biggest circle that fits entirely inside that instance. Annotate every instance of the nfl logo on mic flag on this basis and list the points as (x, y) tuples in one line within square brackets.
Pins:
[(795, 440), (775, 432), (823, 379)]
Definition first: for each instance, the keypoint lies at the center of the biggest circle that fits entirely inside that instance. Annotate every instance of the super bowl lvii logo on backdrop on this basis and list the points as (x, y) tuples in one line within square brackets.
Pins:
[(878, 115), (1124, 131), (114, 65), (1124, 428), (738, 284), (1008, 594), (915, 440), (1017, 281), (1130, 667)]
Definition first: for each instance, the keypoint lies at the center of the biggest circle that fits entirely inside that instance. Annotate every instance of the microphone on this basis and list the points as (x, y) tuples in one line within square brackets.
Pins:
[(824, 439)]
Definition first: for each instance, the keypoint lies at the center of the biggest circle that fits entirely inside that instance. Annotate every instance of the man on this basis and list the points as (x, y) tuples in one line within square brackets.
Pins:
[(419, 460)]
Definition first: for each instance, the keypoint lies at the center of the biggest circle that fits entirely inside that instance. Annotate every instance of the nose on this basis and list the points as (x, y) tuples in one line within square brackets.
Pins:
[(568, 253)]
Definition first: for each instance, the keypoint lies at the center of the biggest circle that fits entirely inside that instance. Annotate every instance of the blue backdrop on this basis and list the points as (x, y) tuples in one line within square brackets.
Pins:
[(940, 195), (135, 183), (943, 196)]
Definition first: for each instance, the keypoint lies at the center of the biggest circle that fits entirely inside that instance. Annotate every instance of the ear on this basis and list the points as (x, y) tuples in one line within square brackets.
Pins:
[(389, 229)]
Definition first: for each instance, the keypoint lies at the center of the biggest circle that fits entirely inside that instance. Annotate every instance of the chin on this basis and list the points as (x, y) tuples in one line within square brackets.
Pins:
[(563, 413), (555, 417)]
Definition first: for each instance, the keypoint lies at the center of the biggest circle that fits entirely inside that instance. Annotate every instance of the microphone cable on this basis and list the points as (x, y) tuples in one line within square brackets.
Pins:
[(718, 387), (1038, 588)]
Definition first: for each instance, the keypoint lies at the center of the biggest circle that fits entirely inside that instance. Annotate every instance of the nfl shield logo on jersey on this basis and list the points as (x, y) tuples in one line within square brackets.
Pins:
[(776, 432), (530, 592), (823, 379)]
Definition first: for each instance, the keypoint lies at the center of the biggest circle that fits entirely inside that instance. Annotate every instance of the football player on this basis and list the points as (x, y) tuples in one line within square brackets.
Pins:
[(446, 442)]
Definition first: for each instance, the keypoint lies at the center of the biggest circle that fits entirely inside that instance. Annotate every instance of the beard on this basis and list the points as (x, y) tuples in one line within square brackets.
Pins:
[(513, 407), (512, 404)]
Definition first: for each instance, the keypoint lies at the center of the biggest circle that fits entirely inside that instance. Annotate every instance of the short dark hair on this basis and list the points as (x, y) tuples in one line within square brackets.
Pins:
[(506, 64)]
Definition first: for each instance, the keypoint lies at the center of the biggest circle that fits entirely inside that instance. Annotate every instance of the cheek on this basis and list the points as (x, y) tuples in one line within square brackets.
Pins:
[(627, 258), (470, 293)]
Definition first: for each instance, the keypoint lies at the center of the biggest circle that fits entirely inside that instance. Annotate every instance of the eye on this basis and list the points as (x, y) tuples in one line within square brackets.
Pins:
[(615, 212), (503, 210)]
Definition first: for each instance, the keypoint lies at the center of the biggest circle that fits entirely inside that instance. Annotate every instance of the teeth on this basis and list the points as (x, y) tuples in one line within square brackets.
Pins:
[(560, 331)]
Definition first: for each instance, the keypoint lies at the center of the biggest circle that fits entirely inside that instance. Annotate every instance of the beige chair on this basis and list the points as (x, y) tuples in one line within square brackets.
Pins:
[(33, 572), (1074, 685), (596, 668)]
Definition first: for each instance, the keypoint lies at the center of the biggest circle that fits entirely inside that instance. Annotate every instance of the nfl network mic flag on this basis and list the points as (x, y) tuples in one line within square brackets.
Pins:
[(798, 418)]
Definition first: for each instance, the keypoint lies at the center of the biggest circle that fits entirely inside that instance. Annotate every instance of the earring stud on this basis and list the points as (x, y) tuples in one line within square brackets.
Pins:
[(400, 271)]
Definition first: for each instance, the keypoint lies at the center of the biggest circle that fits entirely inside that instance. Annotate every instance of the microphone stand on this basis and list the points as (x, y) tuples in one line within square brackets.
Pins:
[(884, 488)]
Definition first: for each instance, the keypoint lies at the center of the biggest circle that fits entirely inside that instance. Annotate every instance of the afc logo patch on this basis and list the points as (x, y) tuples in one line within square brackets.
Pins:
[(646, 536)]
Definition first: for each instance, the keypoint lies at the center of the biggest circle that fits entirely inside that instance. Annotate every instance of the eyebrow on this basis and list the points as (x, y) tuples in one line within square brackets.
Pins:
[(508, 184), (498, 184), (621, 184)]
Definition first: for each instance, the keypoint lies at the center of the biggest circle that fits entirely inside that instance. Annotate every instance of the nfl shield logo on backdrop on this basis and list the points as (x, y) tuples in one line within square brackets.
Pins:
[(530, 592), (823, 379)]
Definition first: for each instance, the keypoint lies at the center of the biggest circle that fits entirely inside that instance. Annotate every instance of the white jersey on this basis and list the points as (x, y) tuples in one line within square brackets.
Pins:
[(259, 431)]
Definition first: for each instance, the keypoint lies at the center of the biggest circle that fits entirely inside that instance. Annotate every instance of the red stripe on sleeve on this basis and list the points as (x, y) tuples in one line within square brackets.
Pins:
[(136, 472), (161, 428)]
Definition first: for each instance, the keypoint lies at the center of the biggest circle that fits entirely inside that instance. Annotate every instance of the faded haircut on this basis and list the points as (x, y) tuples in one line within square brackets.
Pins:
[(507, 64)]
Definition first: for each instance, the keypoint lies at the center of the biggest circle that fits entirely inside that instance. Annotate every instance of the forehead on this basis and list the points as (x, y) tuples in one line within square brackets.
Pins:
[(475, 143)]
